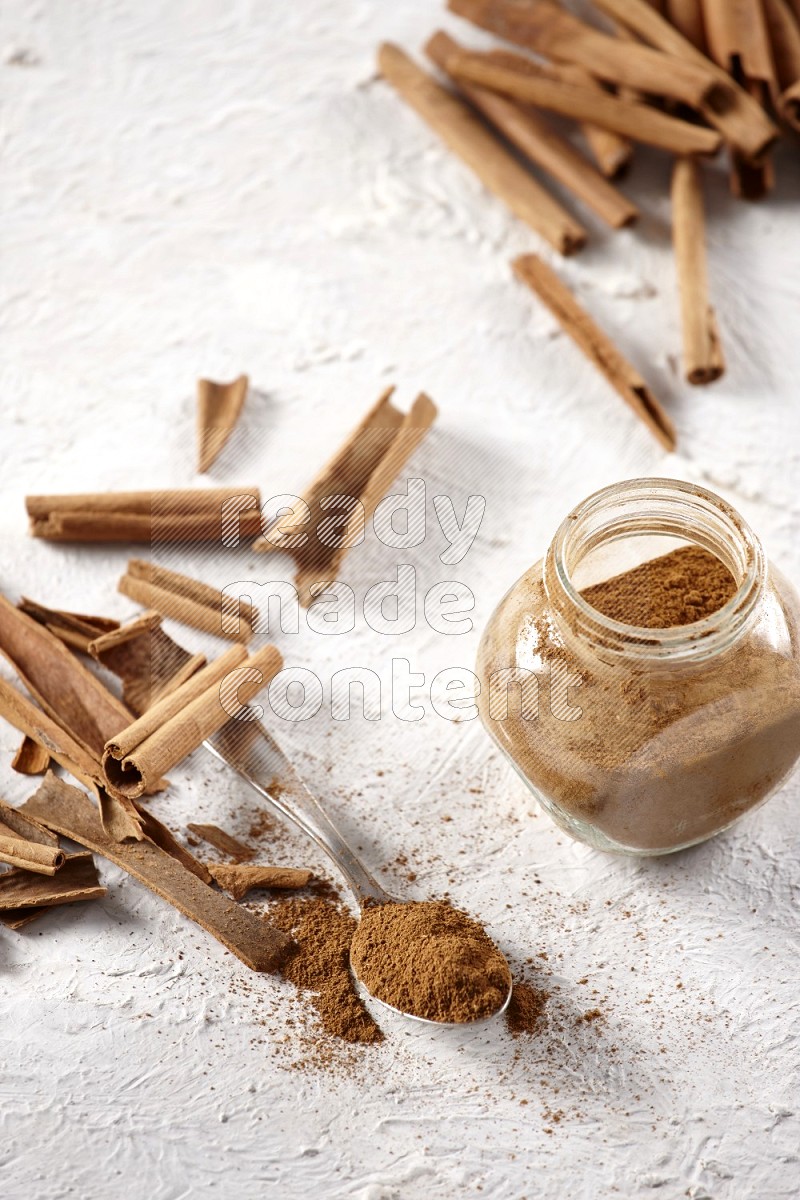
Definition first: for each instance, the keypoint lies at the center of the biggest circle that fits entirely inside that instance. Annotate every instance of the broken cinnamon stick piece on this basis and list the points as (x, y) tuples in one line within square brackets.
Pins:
[(166, 840), (741, 119), (183, 515), (30, 758), (75, 630), (702, 352), (139, 755), (67, 811), (219, 406), (226, 843), (784, 35), (29, 856), (347, 491), (539, 142), (239, 879), (555, 33), (597, 347), (76, 880), (465, 134), (537, 86), (149, 663), (187, 600)]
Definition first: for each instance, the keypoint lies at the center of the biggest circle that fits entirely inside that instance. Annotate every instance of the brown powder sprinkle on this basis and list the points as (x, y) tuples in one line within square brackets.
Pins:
[(675, 589), (323, 930), (525, 1009), (430, 960)]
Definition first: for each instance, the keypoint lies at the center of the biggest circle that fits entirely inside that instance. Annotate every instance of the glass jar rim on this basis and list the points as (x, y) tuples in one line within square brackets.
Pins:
[(697, 511)]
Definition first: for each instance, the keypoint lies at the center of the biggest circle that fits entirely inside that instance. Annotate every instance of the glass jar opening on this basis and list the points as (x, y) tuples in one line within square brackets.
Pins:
[(638, 520)]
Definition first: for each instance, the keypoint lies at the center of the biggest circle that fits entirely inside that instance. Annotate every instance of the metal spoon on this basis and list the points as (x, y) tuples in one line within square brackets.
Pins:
[(246, 746)]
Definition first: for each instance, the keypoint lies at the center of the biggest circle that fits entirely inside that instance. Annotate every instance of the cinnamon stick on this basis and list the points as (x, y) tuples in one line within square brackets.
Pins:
[(17, 824), (226, 843), (27, 844), (187, 600), (610, 151), (239, 879), (356, 479), (67, 811), (30, 758), (550, 30), (537, 86), (466, 136), (29, 856), (74, 699), (687, 17), (138, 756), (76, 880), (219, 406), (75, 630), (27, 718), (149, 663), (539, 142), (65, 688), (738, 41), (741, 119), (784, 34), (119, 816), (702, 352), (597, 347), (183, 515)]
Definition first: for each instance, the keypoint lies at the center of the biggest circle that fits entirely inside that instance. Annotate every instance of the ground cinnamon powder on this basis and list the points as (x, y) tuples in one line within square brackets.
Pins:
[(320, 966), (661, 754), (430, 960), (526, 1008), (676, 589)]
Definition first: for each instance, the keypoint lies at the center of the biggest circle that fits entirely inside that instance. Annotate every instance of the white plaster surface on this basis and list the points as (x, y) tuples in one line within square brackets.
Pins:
[(217, 186)]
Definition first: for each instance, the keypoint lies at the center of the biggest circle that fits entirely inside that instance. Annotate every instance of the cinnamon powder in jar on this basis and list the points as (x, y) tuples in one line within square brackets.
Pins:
[(658, 742), (430, 960), (675, 589)]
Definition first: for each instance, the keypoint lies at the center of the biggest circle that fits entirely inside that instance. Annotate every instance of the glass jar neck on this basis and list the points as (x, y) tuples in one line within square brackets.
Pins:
[(656, 507)]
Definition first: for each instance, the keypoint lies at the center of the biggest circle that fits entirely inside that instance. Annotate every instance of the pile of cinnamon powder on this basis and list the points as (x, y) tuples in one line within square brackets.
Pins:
[(430, 960), (676, 589)]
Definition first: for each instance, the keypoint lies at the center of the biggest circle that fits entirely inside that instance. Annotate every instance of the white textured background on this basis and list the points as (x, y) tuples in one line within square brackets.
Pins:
[(210, 187)]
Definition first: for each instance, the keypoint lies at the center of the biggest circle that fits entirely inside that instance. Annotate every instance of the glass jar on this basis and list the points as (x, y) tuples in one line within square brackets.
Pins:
[(639, 740)]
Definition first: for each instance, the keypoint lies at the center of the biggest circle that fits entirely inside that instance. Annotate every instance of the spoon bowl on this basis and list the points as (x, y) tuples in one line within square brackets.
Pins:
[(477, 1023)]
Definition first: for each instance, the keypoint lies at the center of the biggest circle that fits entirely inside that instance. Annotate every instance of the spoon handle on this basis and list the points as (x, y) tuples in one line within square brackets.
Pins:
[(246, 746)]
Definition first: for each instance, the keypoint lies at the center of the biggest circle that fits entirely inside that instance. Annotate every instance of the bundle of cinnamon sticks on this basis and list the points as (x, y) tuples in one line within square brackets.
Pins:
[(689, 77)]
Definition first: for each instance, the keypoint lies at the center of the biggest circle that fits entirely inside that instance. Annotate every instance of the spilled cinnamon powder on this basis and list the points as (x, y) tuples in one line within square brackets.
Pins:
[(430, 960), (320, 965), (675, 589), (525, 1009)]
